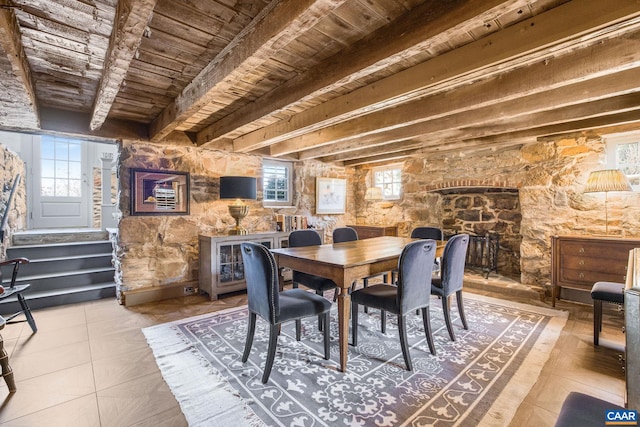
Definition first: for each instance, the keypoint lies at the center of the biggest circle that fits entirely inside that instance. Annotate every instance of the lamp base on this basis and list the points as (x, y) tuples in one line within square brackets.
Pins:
[(238, 212), (238, 231)]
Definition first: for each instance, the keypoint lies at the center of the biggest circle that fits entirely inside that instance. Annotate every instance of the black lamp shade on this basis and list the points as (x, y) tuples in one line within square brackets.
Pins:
[(237, 187)]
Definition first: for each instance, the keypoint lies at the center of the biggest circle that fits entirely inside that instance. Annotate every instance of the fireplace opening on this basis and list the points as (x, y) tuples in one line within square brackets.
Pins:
[(492, 218)]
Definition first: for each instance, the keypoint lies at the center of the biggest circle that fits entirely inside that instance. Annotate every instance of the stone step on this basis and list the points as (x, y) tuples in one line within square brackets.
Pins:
[(37, 237)]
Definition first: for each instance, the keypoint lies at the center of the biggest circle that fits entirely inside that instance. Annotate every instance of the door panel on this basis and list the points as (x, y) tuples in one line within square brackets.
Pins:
[(61, 188)]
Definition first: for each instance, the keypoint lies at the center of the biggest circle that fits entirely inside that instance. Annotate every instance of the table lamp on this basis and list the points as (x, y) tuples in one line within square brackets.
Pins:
[(239, 188), (373, 194), (604, 181)]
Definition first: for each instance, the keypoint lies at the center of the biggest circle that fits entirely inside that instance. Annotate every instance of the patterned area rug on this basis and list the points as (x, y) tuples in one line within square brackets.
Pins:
[(480, 379)]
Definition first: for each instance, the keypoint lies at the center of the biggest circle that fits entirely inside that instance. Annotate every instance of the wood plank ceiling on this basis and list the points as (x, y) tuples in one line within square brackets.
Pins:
[(347, 81)]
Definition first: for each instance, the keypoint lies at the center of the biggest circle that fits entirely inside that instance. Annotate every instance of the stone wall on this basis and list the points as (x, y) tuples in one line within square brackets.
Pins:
[(156, 251), (549, 176), (17, 220)]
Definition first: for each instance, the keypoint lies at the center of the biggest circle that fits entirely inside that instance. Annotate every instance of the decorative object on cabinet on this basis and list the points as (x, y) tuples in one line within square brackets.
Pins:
[(604, 181), (373, 194), (157, 192), (577, 262), (239, 188), (369, 231), (331, 195)]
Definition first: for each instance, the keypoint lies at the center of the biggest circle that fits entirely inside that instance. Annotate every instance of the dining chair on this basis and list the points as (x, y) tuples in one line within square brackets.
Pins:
[(265, 300), (434, 233), (415, 263), (17, 291), (349, 234), (301, 238), (451, 278)]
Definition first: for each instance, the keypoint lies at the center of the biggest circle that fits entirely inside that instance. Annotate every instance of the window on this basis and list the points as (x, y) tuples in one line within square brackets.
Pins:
[(61, 167), (277, 182), (623, 152), (389, 179)]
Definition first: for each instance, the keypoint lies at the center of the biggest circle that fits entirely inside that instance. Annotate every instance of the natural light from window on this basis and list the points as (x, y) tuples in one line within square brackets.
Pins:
[(61, 167), (276, 179), (623, 152), (389, 179)]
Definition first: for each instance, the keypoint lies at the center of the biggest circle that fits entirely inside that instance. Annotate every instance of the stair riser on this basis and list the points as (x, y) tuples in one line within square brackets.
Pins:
[(57, 266), (39, 252), (8, 307), (63, 282)]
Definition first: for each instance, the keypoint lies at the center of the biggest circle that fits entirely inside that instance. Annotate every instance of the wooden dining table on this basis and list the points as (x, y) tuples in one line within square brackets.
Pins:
[(345, 263)]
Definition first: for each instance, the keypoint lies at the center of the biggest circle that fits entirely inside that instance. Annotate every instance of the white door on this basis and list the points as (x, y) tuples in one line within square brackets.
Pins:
[(61, 188)]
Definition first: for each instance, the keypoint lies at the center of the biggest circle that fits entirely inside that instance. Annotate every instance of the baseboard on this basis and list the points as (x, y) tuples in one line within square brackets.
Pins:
[(157, 293)]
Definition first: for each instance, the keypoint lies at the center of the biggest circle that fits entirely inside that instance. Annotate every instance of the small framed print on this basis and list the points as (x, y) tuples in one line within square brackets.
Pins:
[(156, 192), (331, 195)]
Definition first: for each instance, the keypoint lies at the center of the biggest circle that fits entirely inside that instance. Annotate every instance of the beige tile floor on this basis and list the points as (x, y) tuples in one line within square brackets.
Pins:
[(89, 365)]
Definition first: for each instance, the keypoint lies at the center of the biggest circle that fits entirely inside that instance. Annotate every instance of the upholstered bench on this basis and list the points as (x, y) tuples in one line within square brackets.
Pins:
[(580, 410), (604, 291)]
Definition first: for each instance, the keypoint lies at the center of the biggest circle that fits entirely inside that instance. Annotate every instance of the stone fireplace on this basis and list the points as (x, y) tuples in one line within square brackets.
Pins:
[(485, 210)]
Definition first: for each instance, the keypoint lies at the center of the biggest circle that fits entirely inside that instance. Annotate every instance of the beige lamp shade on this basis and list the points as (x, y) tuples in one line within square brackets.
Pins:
[(607, 180), (604, 181)]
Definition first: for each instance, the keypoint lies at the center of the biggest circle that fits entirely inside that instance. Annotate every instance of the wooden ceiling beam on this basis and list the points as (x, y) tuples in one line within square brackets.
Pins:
[(275, 26), (11, 44), (431, 113), (132, 17), (527, 126), (522, 43), (428, 24)]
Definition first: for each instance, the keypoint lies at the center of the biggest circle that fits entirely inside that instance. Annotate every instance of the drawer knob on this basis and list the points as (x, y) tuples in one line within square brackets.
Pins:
[(581, 275), (581, 262), (581, 250)]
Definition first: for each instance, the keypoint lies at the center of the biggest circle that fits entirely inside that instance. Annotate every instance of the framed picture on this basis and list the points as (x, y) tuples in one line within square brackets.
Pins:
[(331, 195), (155, 192)]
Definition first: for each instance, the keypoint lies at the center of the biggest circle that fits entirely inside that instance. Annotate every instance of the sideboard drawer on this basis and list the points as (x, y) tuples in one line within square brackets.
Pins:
[(577, 262)]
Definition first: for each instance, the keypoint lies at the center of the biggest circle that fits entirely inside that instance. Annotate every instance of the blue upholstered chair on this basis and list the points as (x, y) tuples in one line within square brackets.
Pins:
[(344, 234), (415, 263), (427, 233), (451, 278), (266, 301), (604, 291), (349, 234), (300, 238), (434, 233)]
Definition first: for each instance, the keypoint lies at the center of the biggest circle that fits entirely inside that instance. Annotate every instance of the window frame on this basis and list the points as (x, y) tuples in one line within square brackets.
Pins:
[(382, 169), (288, 165), (612, 142)]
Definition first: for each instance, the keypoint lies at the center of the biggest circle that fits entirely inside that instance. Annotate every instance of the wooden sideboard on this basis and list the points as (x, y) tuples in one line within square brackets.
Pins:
[(369, 231), (577, 262)]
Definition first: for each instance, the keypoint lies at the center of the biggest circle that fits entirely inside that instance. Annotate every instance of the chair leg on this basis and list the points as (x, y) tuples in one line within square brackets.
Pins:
[(251, 329), (7, 373), (365, 283), (327, 336), (383, 321), (446, 311), (402, 331), (271, 352), (298, 329), (354, 323), (461, 310), (597, 321), (426, 321), (27, 313), (320, 315)]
